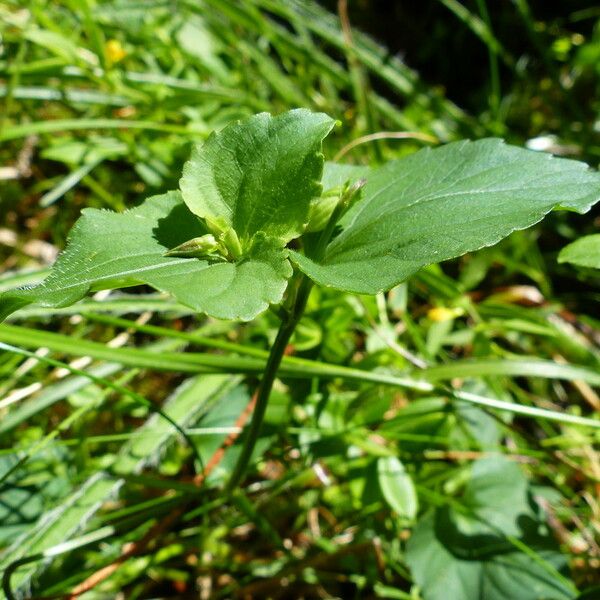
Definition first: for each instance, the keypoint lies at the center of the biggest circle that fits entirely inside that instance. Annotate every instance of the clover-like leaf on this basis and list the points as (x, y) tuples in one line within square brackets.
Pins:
[(258, 175), (439, 204), (114, 250)]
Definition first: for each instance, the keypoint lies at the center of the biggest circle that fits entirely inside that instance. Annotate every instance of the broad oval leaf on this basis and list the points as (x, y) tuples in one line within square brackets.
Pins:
[(439, 204), (585, 252), (114, 250), (259, 174)]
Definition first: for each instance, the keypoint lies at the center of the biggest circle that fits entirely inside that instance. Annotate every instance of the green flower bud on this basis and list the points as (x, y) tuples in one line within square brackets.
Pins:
[(320, 212), (205, 246), (231, 243)]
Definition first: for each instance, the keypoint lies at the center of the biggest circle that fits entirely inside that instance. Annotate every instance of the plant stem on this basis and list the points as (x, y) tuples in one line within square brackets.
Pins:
[(292, 313), (286, 329)]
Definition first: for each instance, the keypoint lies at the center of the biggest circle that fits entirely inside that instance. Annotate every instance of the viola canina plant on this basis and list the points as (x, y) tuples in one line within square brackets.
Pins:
[(260, 218)]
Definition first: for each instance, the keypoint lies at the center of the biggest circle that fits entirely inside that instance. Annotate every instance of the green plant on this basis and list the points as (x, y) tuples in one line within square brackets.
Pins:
[(260, 219), (407, 450)]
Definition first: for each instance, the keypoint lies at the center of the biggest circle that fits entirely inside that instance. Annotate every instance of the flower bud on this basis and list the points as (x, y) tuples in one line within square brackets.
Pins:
[(320, 212), (205, 246)]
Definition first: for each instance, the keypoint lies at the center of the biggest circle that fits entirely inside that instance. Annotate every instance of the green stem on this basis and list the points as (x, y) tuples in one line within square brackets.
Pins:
[(286, 329), (292, 313)]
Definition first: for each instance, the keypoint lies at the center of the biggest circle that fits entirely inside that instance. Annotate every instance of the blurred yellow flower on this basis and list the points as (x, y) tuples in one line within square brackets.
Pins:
[(441, 313), (114, 51)]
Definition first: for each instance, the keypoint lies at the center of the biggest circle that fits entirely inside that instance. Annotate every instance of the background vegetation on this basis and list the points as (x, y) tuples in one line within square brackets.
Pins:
[(355, 486)]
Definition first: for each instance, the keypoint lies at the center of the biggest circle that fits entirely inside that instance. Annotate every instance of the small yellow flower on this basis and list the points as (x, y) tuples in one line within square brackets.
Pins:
[(114, 51), (441, 313)]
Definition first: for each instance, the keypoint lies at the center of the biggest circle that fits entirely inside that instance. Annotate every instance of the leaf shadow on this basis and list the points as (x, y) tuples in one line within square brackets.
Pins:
[(466, 547), (483, 546), (177, 227)]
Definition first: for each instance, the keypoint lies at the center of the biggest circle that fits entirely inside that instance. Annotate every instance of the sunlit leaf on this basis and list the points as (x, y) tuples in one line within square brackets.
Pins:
[(259, 174), (439, 204), (397, 487), (116, 250)]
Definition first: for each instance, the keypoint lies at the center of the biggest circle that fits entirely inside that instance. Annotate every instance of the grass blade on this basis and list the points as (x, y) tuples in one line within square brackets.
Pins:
[(305, 369), (185, 406)]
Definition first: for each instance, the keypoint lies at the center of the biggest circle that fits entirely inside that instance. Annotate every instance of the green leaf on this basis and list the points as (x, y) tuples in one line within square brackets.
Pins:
[(465, 554), (259, 174), (196, 39), (56, 43), (439, 204), (115, 250), (584, 252), (493, 505), (335, 175), (252, 185), (397, 487), (441, 574)]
